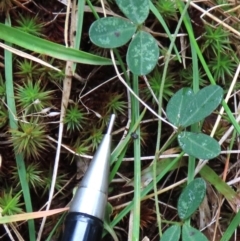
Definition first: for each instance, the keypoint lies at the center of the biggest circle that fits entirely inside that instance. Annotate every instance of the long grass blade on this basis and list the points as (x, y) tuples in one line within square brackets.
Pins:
[(162, 21), (137, 163), (42, 46), (13, 125), (231, 228)]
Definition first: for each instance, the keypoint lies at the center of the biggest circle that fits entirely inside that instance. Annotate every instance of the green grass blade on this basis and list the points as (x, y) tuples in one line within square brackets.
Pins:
[(147, 173), (117, 164), (137, 163), (79, 19), (212, 177), (42, 46), (231, 228), (124, 143), (160, 101), (94, 12), (146, 190), (195, 127), (59, 222), (162, 21), (78, 37), (13, 125)]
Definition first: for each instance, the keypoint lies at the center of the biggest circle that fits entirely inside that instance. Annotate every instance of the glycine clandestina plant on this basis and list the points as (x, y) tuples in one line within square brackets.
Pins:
[(188, 202), (112, 32), (186, 108)]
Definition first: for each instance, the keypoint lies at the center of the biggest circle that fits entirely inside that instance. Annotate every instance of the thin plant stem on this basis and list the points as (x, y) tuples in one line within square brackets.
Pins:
[(94, 12), (117, 164), (137, 163), (60, 220), (195, 127), (159, 133), (162, 21)]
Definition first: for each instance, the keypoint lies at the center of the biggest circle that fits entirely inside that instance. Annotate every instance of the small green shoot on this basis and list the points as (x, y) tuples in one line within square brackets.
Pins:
[(30, 25), (31, 97), (27, 69), (216, 40), (74, 118), (60, 182), (95, 138), (223, 67), (155, 83), (34, 176), (30, 140), (10, 203), (116, 104), (167, 8)]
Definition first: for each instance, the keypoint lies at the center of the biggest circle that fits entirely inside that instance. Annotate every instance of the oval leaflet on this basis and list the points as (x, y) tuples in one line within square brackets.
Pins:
[(111, 32)]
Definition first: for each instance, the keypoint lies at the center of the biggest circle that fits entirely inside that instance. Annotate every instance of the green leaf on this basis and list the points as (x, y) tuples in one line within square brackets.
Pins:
[(199, 145), (135, 10), (191, 234), (172, 233), (191, 198), (42, 46), (111, 32), (203, 104), (107, 221), (177, 104), (189, 109), (142, 54)]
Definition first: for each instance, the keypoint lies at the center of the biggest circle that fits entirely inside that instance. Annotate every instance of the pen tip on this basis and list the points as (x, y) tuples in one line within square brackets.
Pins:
[(111, 123)]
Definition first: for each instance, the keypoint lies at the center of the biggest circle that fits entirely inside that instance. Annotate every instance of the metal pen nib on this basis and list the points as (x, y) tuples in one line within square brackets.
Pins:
[(92, 193)]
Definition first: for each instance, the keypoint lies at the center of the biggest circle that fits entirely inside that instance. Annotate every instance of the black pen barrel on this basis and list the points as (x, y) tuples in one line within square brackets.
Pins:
[(82, 227)]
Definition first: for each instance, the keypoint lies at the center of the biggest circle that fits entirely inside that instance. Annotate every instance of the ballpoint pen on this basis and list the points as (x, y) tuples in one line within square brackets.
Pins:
[(84, 222)]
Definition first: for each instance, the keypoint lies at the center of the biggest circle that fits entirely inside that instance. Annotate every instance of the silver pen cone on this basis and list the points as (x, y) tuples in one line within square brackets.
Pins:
[(92, 193)]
